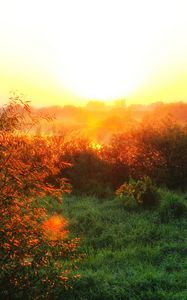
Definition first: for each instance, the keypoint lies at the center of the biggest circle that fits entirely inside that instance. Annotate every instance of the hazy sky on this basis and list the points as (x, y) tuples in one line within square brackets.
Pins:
[(70, 51)]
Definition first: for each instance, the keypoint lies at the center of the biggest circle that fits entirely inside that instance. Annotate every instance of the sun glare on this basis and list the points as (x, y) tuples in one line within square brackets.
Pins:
[(60, 52), (55, 227), (95, 146), (101, 78)]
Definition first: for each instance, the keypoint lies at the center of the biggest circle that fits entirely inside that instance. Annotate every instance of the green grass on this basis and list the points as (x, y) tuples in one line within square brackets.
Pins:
[(130, 253)]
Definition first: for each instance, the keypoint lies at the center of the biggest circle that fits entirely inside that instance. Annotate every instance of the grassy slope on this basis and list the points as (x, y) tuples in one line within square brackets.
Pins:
[(130, 254)]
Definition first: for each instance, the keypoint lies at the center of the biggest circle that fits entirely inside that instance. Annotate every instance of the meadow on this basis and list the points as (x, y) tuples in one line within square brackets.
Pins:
[(83, 218), (130, 253)]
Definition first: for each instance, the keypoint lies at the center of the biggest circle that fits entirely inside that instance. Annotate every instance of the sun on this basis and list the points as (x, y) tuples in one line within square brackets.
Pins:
[(105, 74), (99, 78), (101, 59)]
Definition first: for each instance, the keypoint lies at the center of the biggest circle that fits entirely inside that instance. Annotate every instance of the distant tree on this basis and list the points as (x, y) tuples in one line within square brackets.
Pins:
[(96, 105)]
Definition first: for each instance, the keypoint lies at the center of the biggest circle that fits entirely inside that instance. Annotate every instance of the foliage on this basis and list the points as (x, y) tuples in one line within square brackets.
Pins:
[(144, 192), (169, 140), (154, 149), (89, 173), (157, 150), (35, 261)]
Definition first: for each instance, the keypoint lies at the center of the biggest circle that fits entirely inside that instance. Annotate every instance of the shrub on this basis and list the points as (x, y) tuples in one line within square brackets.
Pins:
[(88, 174), (142, 192), (35, 261)]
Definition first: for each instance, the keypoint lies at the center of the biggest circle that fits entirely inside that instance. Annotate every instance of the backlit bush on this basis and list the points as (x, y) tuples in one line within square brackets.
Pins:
[(36, 255)]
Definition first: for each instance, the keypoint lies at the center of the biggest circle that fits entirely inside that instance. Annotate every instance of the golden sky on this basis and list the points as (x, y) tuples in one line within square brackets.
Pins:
[(71, 51)]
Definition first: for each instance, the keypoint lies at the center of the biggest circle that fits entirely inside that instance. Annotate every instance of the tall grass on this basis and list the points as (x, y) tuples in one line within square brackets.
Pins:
[(130, 253)]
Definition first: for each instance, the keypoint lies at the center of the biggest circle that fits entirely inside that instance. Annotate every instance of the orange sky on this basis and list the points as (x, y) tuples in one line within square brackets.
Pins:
[(71, 51)]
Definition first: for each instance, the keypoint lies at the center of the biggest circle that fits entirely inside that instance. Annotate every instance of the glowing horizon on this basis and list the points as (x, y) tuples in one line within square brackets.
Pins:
[(70, 52)]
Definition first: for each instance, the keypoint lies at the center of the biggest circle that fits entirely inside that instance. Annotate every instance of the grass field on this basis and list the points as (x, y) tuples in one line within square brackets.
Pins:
[(131, 253)]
